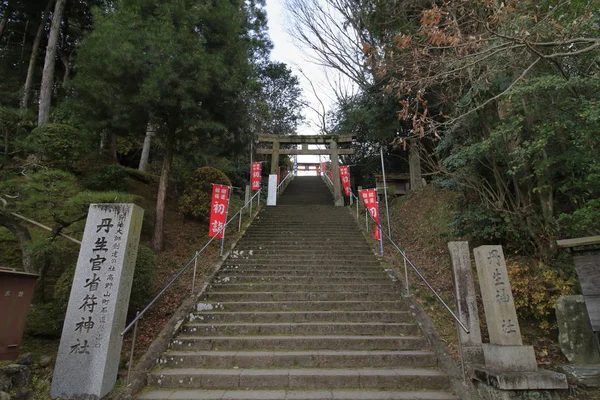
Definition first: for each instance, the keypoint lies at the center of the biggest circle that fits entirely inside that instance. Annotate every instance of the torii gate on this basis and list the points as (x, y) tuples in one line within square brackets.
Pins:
[(333, 152)]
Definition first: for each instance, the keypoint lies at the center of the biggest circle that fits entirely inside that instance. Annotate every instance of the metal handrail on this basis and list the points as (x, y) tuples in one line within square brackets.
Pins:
[(415, 269), (283, 180), (182, 270)]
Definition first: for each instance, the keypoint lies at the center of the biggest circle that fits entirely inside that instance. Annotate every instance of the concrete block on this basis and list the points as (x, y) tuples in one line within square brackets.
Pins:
[(587, 375), (509, 358)]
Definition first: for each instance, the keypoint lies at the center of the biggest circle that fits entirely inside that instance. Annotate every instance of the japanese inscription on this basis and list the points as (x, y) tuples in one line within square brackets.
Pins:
[(90, 343), (500, 312)]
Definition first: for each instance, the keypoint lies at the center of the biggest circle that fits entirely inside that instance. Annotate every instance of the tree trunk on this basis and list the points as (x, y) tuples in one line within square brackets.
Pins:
[(6, 140), (49, 64), (150, 131), (161, 198), (414, 164), (4, 19), (66, 60), (24, 238), (111, 150), (34, 54)]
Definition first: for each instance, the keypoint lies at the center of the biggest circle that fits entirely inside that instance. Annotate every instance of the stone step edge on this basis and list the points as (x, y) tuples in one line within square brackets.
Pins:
[(259, 353), (304, 371), (273, 324), (299, 337), (357, 394)]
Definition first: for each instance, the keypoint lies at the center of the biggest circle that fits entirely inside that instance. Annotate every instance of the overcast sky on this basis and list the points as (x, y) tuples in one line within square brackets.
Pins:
[(286, 51)]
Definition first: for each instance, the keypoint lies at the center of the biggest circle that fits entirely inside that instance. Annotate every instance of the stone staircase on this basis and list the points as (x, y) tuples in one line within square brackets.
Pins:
[(300, 310)]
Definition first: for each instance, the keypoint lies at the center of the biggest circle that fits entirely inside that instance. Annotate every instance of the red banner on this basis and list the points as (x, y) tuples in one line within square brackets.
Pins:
[(345, 177), (218, 210), (323, 168), (256, 172), (369, 197)]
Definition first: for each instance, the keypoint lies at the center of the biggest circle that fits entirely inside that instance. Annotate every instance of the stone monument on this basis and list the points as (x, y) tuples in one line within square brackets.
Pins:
[(510, 369), (466, 302), (90, 345)]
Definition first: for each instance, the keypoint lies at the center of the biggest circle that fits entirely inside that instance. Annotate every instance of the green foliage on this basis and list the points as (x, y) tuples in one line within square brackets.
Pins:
[(145, 268), (536, 288), (196, 199), (62, 145), (44, 321), (108, 178)]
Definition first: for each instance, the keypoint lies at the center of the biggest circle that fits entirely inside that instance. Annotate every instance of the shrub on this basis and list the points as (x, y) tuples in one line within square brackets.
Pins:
[(145, 268), (196, 198), (143, 276), (536, 288), (108, 178), (60, 144)]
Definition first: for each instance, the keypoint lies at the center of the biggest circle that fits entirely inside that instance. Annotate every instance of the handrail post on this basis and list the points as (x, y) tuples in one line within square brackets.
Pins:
[(406, 276), (132, 348), (194, 276)]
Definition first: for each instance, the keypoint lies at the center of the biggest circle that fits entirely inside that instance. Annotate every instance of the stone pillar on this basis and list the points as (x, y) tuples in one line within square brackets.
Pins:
[(466, 301), (90, 346), (335, 171), (275, 158), (505, 351), (272, 188)]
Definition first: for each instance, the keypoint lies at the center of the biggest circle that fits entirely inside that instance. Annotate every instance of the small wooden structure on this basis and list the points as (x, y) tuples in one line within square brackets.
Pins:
[(305, 140), (397, 184)]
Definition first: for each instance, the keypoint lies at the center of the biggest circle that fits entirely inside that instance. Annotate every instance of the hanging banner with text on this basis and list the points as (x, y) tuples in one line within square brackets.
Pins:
[(345, 177), (256, 172), (218, 210), (369, 197)]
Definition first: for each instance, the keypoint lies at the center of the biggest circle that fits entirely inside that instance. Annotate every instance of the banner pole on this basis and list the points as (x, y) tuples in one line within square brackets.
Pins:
[(226, 216), (387, 209), (378, 225)]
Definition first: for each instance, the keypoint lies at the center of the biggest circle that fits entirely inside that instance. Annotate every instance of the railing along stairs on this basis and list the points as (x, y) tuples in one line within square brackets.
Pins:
[(194, 261)]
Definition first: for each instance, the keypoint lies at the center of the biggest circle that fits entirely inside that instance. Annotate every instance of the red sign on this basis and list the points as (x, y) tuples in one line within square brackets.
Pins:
[(256, 172), (369, 197), (218, 210), (345, 177)]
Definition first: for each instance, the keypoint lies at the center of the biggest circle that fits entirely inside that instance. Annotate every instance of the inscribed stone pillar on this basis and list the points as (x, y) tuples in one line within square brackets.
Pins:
[(90, 345), (466, 301), (505, 351), (498, 302), (335, 171)]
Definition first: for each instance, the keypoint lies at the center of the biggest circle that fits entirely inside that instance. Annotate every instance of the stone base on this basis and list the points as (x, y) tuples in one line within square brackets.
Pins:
[(511, 381), (509, 358), (489, 393), (586, 375), (473, 354)]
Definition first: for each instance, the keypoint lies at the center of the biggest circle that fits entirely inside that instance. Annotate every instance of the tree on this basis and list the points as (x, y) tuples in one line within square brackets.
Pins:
[(49, 63), (183, 63), (282, 97)]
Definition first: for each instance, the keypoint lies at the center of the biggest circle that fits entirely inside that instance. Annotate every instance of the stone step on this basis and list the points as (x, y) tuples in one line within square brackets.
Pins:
[(302, 269), (301, 248), (302, 316), (303, 342), (297, 359), (335, 394), (289, 258), (316, 262), (289, 287), (307, 328), (308, 251), (296, 296), (350, 273), (319, 279), (359, 378), (302, 306)]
